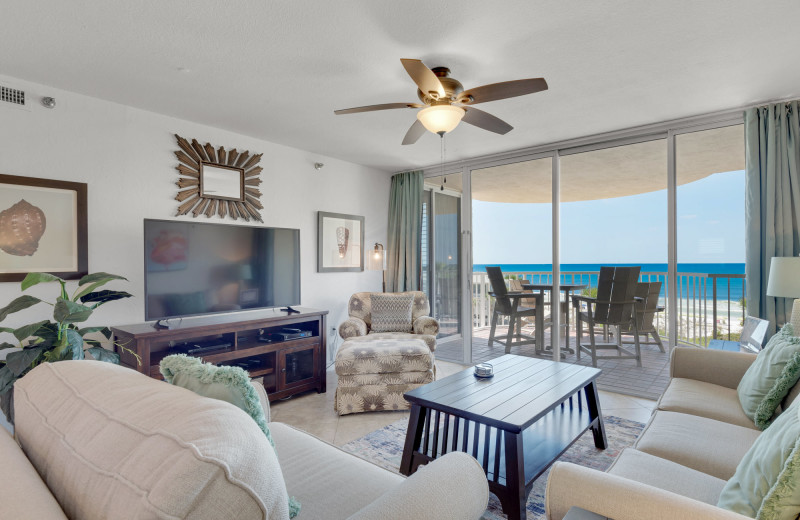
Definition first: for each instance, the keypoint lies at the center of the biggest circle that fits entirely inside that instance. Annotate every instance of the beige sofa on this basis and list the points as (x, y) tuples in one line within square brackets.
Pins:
[(97, 441), (683, 458)]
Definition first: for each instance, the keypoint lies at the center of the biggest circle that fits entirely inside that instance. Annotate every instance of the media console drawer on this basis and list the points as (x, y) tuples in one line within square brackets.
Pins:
[(253, 340)]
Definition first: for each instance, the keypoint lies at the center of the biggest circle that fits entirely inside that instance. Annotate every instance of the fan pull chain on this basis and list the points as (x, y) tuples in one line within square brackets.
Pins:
[(442, 149)]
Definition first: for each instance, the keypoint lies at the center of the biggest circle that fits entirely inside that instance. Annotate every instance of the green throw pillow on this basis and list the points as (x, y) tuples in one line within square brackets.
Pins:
[(769, 379), (226, 383), (764, 485)]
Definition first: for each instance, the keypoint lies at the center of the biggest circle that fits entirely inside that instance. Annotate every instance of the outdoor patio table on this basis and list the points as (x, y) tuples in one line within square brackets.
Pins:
[(540, 288)]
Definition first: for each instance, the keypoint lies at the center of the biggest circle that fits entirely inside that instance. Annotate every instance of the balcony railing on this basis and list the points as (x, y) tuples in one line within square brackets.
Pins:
[(705, 307)]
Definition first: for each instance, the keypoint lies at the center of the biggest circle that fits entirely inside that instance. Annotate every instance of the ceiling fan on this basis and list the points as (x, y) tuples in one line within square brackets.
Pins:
[(446, 103)]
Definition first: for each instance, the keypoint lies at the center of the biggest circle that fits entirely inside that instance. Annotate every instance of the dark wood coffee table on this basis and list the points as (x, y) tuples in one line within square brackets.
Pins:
[(516, 424)]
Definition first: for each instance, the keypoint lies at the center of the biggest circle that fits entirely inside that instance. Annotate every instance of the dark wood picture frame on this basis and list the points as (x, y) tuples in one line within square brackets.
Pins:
[(80, 224), (324, 266)]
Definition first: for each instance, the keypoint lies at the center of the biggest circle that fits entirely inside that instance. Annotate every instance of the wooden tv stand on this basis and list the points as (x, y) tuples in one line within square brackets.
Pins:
[(287, 367)]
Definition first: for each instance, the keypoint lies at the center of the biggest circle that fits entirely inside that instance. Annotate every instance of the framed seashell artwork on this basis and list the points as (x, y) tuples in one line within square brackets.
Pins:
[(217, 181), (43, 228), (340, 242)]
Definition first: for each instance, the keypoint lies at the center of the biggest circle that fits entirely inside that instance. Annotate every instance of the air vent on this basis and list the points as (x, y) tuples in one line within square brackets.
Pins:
[(12, 95)]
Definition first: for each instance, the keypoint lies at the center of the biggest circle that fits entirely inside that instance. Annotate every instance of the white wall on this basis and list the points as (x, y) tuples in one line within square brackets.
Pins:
[(125, 155)]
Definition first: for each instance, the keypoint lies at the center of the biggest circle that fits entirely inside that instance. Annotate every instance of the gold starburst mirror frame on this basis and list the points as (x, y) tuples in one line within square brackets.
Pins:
[(217, 181)]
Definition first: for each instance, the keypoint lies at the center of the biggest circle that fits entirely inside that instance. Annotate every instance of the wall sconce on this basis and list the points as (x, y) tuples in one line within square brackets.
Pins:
[(377, 262)]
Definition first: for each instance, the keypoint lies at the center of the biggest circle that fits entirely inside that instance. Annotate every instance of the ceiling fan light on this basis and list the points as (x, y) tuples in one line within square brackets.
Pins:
[(440, 119)]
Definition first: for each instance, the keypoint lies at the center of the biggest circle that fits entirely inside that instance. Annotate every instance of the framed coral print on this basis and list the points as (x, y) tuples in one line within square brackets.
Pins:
[(42, 228), (340, 242)]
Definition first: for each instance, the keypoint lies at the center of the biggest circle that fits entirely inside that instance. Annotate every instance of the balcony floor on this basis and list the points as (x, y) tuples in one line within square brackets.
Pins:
[(619, 375)]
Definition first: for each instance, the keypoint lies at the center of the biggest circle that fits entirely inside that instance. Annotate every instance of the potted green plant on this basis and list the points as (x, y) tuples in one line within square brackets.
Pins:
[(58, 338)]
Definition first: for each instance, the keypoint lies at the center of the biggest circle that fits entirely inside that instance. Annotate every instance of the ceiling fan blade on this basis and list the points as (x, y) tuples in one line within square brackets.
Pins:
[(371, 108), (424, 77), (506, 89), (486, 121), (414, 133)]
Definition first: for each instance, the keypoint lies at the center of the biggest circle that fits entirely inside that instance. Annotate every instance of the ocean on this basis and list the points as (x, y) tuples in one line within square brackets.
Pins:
[(737, 287)]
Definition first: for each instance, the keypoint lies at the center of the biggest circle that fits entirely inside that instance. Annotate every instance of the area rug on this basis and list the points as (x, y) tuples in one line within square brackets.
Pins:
[(384, 447)]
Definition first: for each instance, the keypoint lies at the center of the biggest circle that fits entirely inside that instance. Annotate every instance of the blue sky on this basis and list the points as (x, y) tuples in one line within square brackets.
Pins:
[(710, 227)]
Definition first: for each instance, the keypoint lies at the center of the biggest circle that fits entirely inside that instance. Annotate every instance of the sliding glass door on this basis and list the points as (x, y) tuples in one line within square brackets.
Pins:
[(670, 200), (442, 261), (711, 293), (512, 229)]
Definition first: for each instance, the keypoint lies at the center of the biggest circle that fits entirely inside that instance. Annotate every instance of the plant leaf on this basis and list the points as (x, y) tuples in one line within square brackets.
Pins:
[(27, 331), (7, 378), (94, 280), (89, 330), (23, 302), (5, 346), (48, 332), (100, 277), (19, 362), (74, 344), (101, 297), (37, 278), (101, 354), (6, 329), (67, 311)]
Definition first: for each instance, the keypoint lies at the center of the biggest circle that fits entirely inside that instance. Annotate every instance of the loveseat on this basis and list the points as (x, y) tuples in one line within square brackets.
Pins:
[(680, 463), (98, 441)]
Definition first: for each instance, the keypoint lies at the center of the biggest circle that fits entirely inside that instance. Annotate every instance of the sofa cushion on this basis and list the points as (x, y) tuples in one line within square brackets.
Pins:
[(770, 377), (667, 475), (392, 312), (110, 442), (226, 383), (712, 447), (24, 494), (765, 483), (705, 400), (329, 482)]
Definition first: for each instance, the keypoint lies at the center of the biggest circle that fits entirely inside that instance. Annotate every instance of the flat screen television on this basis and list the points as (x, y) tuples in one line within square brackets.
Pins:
[(197, 268)]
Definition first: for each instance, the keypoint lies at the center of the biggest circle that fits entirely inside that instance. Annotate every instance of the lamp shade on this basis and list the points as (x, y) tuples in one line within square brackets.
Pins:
[(377, 259), (440, 119), (784, 277)]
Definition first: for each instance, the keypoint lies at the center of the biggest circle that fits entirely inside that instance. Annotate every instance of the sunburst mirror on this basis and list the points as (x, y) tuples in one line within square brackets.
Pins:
[(217, 181)]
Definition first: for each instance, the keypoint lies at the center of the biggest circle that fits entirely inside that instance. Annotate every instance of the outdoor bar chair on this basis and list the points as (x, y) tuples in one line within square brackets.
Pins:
[(507, 303), (647, 294), (614, 306)]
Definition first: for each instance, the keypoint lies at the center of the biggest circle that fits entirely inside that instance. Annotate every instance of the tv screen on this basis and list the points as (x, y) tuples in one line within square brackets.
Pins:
[(192, 268)]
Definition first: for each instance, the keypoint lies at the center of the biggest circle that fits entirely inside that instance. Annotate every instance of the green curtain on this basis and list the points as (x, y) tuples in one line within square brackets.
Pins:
[(772, 204), (403, 247)]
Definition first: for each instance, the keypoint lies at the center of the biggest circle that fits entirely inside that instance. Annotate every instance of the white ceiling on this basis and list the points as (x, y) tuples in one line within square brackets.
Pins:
[(277, 69)]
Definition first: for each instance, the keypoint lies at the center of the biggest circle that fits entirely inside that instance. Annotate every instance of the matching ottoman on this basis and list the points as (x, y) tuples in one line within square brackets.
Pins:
[(374, 373)]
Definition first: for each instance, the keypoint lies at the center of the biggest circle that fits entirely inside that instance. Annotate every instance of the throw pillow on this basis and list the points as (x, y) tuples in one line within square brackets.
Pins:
[(226, 383), (769, 379), (764, 485), (392, 312)]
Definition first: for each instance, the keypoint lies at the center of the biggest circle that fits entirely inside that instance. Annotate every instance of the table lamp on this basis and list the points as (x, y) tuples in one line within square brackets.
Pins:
[(377, 262), (784, 282)]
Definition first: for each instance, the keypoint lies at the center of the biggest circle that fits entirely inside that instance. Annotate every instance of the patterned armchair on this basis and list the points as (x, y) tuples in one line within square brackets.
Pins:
[(360, 321), (375, 369)]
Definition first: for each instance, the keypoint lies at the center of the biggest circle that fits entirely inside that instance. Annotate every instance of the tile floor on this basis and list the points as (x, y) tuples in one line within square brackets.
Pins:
[(314, 412)]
